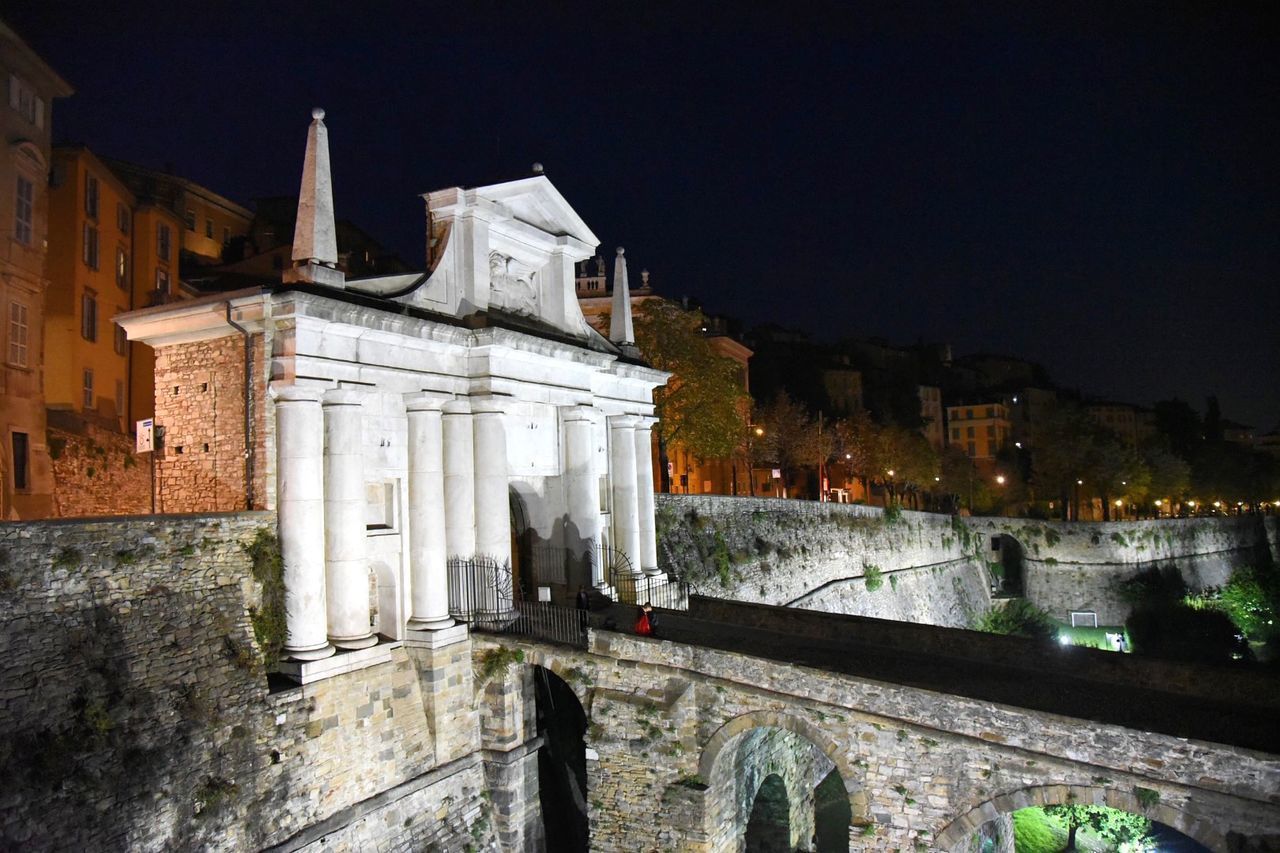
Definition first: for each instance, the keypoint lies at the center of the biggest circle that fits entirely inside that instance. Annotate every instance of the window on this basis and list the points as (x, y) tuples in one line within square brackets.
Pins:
[(191, 220), (121, 339), (18, 334), (23, 99), (991, 431), (122, 268), (24, 211), (88, 388), (89, 316), (991, 411), (972, 450), (163, 240), (90, 246), (226, 234), (955, 433), (122, 217), (969, 432), (91, 197), (208, 228), (162, 281), (21, 461), (968, 413)]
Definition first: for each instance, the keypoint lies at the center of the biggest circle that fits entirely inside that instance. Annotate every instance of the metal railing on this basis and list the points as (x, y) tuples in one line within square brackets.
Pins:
[(480, 591), (670, 593), (549, 622)]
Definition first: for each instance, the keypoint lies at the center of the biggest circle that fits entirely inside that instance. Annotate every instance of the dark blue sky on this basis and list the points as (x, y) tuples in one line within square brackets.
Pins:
[(1094, 186)]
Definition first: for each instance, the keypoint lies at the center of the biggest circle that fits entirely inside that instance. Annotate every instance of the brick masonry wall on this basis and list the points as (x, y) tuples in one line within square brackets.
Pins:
[(97, 472), (136, 715), (200, 403), (930, 568)]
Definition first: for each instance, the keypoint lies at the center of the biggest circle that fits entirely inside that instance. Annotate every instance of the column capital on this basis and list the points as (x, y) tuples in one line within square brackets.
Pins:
[(287, 392), (426, 401), (623, 421), (457, 406), (490, 405), (343, 397), (646, 422), (578, 413)]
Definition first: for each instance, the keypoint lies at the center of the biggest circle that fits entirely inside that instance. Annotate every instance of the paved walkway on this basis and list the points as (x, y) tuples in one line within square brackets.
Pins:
[(1230, 719)]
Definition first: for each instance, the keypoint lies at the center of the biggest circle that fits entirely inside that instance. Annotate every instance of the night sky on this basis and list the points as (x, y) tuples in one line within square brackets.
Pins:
[(1094, 187)]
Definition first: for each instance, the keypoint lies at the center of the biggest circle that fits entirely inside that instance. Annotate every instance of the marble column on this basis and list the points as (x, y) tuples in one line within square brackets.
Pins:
[(459, 480), (582, 489), (493, 506), (622, 462), (644, 496), (428, 569), (300, 508), (346, 572)]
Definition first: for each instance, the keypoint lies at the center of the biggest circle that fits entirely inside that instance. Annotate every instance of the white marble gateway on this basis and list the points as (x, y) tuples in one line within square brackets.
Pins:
[(456, 412)]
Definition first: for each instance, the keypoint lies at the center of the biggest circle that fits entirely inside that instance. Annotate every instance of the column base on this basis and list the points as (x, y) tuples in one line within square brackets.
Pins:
[(319, 652), (435, 639), (415, 624), (653, 572), (355, 642), (305, 672)]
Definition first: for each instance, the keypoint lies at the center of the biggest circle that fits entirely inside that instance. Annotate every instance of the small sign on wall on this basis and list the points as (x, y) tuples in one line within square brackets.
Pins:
[(146, 435)]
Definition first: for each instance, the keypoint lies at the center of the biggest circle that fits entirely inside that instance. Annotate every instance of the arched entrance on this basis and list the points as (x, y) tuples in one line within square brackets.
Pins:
[(769, 825), (562, 763), (521, 546), (958, 836), (759, 762), (1010, 562)]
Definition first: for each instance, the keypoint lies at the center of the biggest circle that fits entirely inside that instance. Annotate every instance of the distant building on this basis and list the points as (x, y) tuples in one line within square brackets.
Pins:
[(844, 390), (25, 123), (1119, 418), (211, 223), (1237, 433), (931, 415), (979, 429)]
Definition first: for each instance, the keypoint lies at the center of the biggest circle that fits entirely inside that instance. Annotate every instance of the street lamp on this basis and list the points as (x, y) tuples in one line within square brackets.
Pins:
[(1000, 479)]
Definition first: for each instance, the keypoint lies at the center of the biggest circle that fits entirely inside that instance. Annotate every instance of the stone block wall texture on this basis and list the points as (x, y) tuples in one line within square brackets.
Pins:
[(200, 404), (136, 714), (670, 732), (96, 470), (930, 568)]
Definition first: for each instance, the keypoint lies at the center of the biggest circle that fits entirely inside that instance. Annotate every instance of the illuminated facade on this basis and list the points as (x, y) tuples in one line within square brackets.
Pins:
[(980, 430), (25, 120)]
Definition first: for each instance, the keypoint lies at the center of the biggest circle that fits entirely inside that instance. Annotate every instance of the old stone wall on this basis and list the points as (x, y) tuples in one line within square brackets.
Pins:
[(202, 464), (842, 558), (671, 733), (929, 568), (136, 713), (96, 470)]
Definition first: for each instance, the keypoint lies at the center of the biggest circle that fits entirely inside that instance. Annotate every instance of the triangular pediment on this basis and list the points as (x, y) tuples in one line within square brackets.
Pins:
[(535, 201)]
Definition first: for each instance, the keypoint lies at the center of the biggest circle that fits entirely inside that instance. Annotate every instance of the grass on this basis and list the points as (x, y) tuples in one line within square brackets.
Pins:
[(1094, 638), (1036, 832)]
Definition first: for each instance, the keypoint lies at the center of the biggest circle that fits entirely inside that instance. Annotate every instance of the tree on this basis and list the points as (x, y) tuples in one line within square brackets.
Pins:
[(1111, 825), (1018, 618), (909, 456), (703, 405), (1169, 474), (791, 440)]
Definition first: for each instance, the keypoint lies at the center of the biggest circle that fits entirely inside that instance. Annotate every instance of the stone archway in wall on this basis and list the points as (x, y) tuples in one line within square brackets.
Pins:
[(956, 836), (747, 752), (1010, 556), (562, 763), (521, 547)]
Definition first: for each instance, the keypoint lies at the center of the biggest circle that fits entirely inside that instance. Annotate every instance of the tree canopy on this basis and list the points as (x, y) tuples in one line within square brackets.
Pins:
[(703, 405)]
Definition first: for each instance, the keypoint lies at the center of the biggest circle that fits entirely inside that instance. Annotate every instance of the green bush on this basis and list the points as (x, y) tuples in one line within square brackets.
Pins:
[(269, 619), (873, 577), (1018, 618)]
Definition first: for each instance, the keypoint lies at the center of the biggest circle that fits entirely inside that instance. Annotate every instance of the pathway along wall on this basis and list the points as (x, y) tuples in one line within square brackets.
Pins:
[(929, 568), (135, 713)]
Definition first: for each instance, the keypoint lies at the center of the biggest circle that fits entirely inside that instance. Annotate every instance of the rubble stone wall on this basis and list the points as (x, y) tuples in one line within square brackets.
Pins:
[(96, 471), (930, 568), (135, 713)]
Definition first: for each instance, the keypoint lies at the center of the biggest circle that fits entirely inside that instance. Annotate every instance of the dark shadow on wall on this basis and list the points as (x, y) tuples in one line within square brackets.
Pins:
[(562, 763), (831, 814), (769, 826)]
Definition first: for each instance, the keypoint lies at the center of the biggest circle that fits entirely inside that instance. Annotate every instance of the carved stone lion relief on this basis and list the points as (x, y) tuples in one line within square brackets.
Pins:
[(512, 285)]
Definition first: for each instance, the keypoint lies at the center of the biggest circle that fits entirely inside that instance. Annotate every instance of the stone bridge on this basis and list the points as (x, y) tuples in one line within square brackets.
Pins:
[(707, 735)]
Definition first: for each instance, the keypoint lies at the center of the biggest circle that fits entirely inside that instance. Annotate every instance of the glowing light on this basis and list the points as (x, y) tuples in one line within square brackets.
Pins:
[(1079, 482), (1119, 502), (1217, 504), (759, 430), (1000, 479), (1064, 640), (1018, 444), (1157, 502), (890, 472), (1191, 503)]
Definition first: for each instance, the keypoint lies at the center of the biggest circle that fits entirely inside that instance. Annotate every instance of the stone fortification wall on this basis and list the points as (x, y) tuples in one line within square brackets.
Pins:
[(1078, 566), (135, 712), (841, 558), (928, 568), (95, 470)]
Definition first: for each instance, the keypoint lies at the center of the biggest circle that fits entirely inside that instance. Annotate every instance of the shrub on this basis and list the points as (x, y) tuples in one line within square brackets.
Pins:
[(873, 577), (268, 620), (1018, 618)]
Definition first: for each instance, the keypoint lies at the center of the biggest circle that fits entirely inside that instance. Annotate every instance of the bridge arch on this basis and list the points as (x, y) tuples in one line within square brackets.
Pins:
[(956, 833), (716, 767)]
